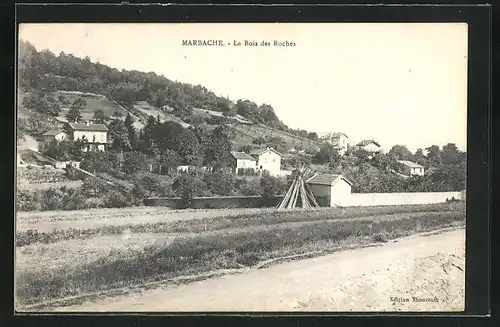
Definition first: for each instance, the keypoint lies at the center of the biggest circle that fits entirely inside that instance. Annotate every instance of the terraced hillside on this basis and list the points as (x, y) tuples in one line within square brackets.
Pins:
[(291, 140)]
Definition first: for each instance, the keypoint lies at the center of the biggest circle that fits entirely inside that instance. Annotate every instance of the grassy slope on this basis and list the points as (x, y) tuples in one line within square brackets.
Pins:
[(291, 141), (242, 240), (93, 104)]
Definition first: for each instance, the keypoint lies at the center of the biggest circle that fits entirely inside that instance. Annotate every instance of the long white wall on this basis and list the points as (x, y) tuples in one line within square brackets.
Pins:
[(380, 199)]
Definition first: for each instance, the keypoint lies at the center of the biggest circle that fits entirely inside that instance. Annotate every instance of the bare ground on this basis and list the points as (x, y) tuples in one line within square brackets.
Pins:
[(368, 279)]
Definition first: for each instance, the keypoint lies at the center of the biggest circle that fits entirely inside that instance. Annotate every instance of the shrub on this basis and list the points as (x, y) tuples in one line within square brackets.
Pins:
[(115, 199), (92, 203), (249, 186), (51, 199), (27, 200), (219, 182)]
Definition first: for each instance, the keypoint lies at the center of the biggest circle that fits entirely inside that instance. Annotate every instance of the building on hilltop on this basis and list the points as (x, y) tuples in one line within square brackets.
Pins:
[(369, 146), (412, 168), (94, 135), (339, 141)]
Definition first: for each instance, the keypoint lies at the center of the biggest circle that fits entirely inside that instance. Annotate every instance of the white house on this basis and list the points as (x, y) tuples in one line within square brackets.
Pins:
[(55, 134), (339, 141), (329, 189), (96, 135), (268, 160), (412, 168), (242, 160), (369, 146)]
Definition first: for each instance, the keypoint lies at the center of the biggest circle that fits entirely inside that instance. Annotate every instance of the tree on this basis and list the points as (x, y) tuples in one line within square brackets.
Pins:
[(271, 187), (73, 115), (132, 136), (312, 136), (450, 154), (327, 154), (401, 152), (169, 160), (100, 116), (57, 150), (187, 186), (79, 103), (220, 182), (119, 136), (419, 157), (218, 148), (267, 114), (133, 162), (434, 156)]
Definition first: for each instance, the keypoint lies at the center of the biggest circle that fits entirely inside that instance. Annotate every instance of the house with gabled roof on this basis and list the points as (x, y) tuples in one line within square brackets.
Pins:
[(330, 189), (268, 160), (95, 136), (242, 160), (339, 141), (369, 146), (412, 168), (55, 134)]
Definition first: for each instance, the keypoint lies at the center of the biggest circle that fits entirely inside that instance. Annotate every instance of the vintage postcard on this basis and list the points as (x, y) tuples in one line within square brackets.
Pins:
[(256, 167)]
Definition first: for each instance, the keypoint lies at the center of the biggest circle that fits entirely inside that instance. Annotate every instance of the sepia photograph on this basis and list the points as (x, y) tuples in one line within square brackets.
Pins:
[(241, 167)]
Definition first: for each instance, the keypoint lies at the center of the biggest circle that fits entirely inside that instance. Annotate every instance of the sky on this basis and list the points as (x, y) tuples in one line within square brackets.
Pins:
[(396, 83)]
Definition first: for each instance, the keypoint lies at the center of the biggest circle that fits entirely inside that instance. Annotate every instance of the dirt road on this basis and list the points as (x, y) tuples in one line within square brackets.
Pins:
[(381, 278)]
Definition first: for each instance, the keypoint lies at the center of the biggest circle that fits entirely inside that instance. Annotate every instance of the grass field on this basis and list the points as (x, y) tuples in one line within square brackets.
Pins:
[(118, 248)]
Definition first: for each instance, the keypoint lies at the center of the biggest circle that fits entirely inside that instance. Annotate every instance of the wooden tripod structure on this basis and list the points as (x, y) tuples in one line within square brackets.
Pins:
[(296, 190)]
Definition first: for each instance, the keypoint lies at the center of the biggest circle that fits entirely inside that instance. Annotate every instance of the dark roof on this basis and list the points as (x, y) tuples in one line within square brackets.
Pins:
[(366, 142), (258, 152), (326, 179), (242, 156), (410, 164), (53, 132), (89, 127)]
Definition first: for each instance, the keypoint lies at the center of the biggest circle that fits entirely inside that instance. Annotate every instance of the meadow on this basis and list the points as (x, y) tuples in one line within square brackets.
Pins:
[(117, 249)]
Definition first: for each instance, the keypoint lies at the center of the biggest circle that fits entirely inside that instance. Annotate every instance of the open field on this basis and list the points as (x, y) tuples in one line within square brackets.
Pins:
[(123, 248), (422, 266), (46, 221)]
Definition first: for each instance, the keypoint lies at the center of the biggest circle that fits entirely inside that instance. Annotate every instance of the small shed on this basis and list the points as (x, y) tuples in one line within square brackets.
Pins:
[(330, 190), (412, 168)]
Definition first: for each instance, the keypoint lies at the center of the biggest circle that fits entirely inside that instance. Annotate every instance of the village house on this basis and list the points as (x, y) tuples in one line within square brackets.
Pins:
[(95, 135), (339, 141), (330, 190), (412, 168), (242, 160), (369, 146), (55, 134), (268, 160)]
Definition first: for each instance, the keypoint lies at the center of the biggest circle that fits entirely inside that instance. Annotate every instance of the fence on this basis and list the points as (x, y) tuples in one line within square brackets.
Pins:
[(354, 200), (380, 199)]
